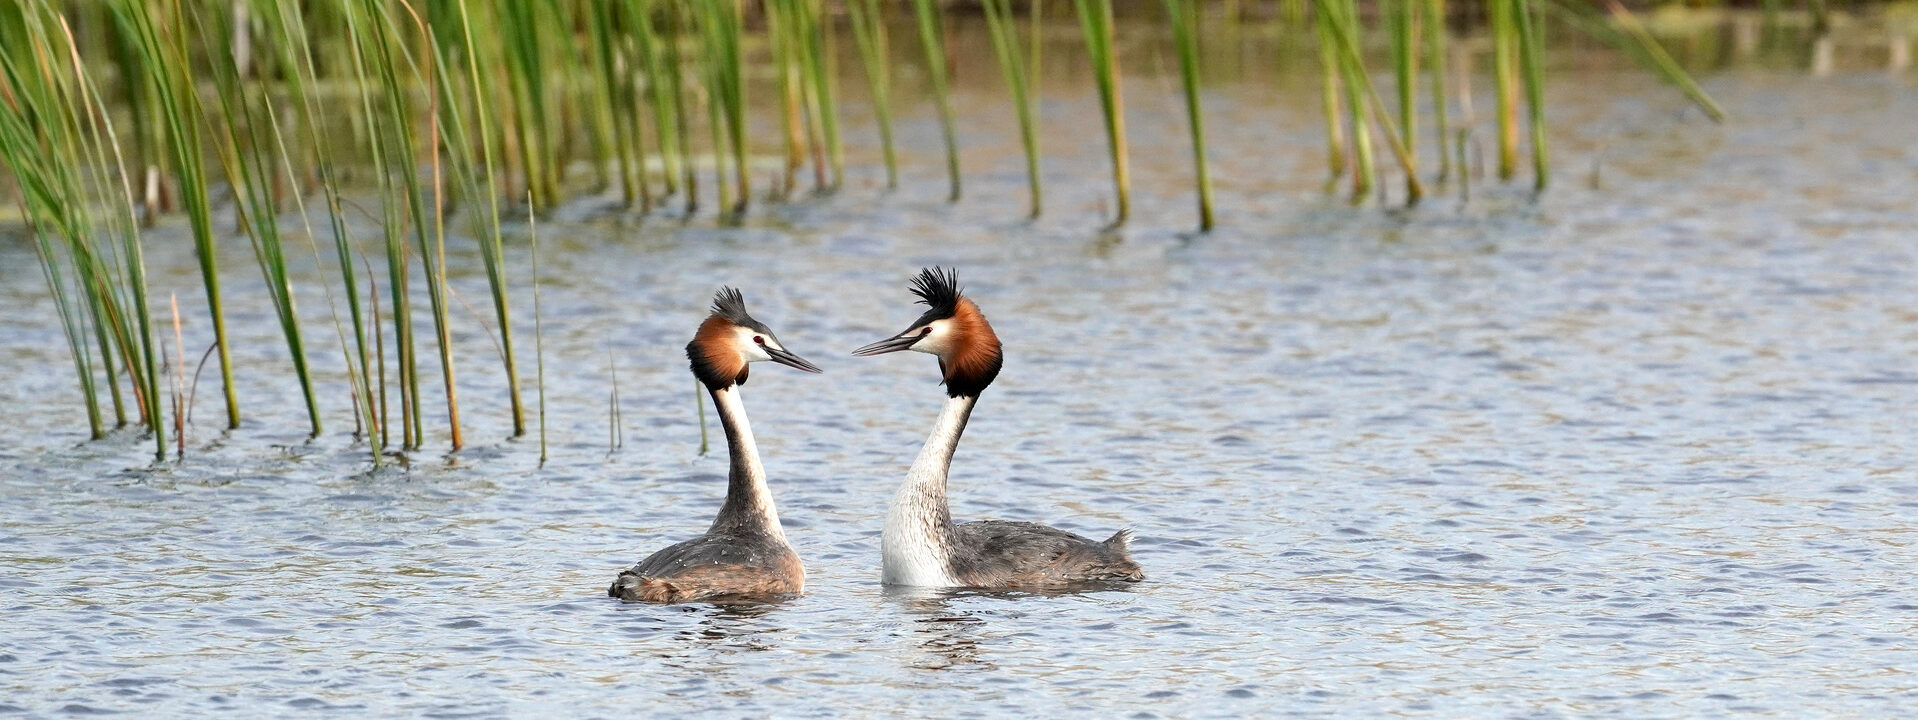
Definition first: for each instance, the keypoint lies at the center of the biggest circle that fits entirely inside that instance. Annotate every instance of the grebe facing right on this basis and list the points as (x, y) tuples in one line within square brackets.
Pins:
[(744, 555), (920, 543)]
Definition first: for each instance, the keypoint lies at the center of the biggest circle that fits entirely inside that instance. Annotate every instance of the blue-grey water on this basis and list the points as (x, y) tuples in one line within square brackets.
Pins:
[(1640, 447)]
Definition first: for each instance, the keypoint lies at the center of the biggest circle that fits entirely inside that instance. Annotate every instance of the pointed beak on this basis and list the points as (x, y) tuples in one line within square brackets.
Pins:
[(790, 360), (895, 343)]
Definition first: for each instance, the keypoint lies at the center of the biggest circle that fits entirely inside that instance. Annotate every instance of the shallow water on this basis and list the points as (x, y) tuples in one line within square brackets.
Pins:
[(1635, 450)]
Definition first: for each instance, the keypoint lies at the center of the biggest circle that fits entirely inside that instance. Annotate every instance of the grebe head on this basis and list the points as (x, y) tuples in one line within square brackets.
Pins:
[(730, 340), (953, 329)]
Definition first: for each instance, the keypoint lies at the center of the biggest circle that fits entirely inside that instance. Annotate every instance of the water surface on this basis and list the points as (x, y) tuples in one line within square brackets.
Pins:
[(1640, 447)]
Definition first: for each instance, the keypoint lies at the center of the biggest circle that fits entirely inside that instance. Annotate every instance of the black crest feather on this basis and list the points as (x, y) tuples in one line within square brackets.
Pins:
[(939, 289), (730, 304)]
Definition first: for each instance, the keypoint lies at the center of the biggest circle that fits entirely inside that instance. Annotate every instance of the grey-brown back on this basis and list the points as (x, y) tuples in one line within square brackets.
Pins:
[(712, 566), (1005, 554)]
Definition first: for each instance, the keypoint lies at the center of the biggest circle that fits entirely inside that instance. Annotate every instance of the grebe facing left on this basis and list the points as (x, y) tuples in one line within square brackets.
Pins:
[(920, 543), (744, 555)]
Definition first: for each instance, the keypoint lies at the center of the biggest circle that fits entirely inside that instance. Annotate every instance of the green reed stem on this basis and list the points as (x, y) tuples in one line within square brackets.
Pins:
[(1356, 77), (1402, 20), (784, 35), (539, 336), (733, 65), (165, 68), (524, 25), (932, 39), (869, 33), (1627, 33), (823, 100), (1505, 76), (492, 251), (664, 101), (1340, 18), (672, 61), (1435, 67), (432, 255), (614, 436), (245, 156), (1533, 67), (614, 97), (286, 32), (1095, 20), (142, 359), (47, 180), (115, 281), (1012, 63), (1184, 15), (720, 28), (383, 113), (1330, 90)]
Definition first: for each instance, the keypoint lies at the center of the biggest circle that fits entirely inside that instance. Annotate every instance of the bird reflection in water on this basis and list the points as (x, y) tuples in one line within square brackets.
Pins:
[(955, 636), (739, 625), (949, 636)]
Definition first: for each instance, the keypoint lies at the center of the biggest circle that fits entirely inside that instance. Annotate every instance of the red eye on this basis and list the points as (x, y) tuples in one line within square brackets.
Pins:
[(759, 339), (926, 331)]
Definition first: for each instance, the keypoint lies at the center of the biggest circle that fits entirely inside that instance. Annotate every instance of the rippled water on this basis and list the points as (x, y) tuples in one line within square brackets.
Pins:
[(1636, 450)]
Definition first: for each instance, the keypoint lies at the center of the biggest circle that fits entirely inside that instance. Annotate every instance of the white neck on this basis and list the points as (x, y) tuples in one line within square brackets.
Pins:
[(749, 504), (917, 541)]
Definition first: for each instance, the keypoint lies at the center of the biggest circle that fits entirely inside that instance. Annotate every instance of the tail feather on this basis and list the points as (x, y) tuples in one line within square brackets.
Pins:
[(1120, 566)]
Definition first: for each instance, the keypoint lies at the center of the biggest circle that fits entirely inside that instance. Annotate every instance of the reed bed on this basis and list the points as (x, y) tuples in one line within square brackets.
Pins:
[(466, 112)]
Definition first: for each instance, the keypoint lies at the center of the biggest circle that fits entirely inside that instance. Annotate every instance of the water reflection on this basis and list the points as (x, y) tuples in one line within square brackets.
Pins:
[(948, 636), (954, 631), (725, 626), (1517, 452), (736, 624)]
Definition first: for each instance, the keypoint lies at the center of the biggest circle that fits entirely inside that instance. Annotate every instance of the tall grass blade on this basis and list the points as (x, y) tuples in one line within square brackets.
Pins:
[(1095, 21), (932, 39), (1356, 77), (869, 33), (782, 31), (1012, 62), (671, 61), (1531, 63), (1402, 21), (1340, 27), (1330, 92), (382, 109), (1184, 15), (286, 32), (662, 84), (432, 255), (1627, 33), (44, 94), (164, 68), (1436, 52), (539, 337), (246, 156), (469, 170), (616, 109), (720, 28), (1505, 83), (822, 96), (523, 27)]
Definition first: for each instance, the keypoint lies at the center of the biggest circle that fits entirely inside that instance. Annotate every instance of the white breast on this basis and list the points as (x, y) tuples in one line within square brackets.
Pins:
[(909, 545)]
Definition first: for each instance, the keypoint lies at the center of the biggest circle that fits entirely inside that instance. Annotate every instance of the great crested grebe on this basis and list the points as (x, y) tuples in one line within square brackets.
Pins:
[(920, 543), (744, 554)]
